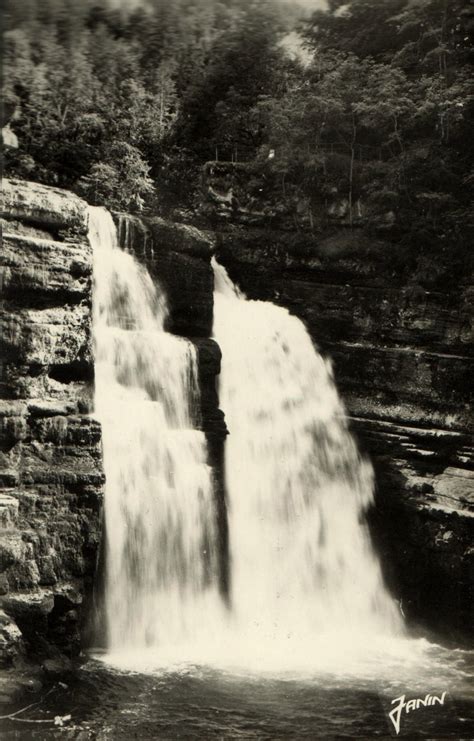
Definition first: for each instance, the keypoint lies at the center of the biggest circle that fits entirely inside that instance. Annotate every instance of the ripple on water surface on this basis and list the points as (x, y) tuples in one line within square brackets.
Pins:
[(193, 700)]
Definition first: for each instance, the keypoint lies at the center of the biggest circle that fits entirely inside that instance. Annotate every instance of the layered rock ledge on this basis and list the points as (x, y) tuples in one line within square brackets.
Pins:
[(51, 477)]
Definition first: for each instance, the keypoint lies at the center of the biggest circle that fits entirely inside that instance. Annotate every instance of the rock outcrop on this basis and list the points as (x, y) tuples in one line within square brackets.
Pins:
[(177, 255), (402, 358), (50, 457)]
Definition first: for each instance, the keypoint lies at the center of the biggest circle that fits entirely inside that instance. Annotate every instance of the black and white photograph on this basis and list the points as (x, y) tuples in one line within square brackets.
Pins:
[(236, 370)]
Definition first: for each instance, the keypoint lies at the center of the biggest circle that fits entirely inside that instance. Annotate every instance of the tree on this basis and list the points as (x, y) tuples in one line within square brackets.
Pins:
[(243, 64), (123, 182)]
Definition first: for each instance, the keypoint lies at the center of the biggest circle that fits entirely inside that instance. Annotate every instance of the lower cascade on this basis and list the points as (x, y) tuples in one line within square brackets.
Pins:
[(302, 561), (159, 514)]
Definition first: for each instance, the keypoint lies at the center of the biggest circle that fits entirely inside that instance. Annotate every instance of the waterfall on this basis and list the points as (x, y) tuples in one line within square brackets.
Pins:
[(161, 557), (302, 561)]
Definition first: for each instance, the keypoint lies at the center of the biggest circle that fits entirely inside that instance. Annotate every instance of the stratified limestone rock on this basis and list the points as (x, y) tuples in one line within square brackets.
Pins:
[(423, 527), (45, 268), (50, 336), (53, 208), (402, 359), (51, 476), (408, 383)]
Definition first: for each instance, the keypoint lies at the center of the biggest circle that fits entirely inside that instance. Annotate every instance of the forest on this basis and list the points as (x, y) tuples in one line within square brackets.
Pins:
[(373, 102)]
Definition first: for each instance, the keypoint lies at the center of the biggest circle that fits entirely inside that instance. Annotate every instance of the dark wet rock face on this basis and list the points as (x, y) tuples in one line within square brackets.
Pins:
[(178, 256), (402, 359), (214, 426), (51, 475)]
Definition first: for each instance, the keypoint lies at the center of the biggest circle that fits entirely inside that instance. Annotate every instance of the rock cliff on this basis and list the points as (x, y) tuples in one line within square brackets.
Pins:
[(50, 458)]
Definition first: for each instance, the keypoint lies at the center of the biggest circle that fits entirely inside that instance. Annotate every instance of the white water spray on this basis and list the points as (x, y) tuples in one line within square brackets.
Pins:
[(302, 562), (161, 560)]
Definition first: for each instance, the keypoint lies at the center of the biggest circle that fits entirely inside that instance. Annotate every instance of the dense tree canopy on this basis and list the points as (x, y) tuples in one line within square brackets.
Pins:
[(117, 104), (125, 106)]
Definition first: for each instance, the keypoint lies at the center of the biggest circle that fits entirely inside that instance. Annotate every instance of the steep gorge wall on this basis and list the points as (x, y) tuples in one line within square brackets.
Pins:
[(51, 475)]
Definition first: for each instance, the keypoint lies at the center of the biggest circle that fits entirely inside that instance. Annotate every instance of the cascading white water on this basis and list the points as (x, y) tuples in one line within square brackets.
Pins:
[(161, 560), (302, 562), (300, 556)]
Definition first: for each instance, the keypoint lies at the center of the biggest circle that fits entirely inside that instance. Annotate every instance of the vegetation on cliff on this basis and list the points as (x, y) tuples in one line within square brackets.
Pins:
[(381, 118), (125, 106), (120, 105)]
